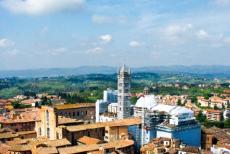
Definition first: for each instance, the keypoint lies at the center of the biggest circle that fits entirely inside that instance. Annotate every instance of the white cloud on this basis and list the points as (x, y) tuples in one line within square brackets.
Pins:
[(5, 43), (178, 33), (37, 7), (135, 44), (106, 38), (202, 34), (96, 50), (176, 29)]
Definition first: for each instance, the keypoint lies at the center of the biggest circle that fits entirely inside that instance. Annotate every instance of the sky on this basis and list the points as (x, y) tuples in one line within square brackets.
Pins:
[(71, 33)]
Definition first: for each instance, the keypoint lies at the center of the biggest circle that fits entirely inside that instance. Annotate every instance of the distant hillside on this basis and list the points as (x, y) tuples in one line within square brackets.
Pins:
[(51, 72)]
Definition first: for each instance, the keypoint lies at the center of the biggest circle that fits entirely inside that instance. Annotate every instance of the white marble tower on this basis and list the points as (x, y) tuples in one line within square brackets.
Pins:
[(123, 87)]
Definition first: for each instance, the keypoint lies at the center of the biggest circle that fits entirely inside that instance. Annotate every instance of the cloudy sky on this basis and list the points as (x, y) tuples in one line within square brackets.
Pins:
[(71, 33)]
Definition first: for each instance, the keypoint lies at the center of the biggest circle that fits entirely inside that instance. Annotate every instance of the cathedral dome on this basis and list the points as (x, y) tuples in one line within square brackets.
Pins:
[(146, 101)]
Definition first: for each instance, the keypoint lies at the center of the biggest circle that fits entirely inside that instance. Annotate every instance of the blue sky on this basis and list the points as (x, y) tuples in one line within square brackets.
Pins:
[(71, 33)]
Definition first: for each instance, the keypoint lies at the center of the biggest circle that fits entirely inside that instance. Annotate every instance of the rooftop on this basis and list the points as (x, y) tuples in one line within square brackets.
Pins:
[(123, 122), (223, 135), (65, 120), (93, 147), (88, 140), (21, 116), (73, 106), (8, 135), (47, 150), (213, 111), (28, 144), (190, 149)]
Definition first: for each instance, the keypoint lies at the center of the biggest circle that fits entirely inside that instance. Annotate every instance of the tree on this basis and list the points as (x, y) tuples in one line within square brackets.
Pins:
[(223, 107), (215, 107), (194, 99), (228, 105), (133, 100), (179, 102), (200, 117), (227, 123), (18, 105)]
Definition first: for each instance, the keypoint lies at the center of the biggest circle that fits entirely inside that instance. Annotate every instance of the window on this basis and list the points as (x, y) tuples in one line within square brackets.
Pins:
[(47, 117), (57, 135), (48, 132), (40, 131)]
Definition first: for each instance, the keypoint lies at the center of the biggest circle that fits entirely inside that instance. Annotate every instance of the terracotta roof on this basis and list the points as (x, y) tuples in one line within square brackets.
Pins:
[(58, 143), (222, 135), (4, 149), (73, 106), (123, 122), (4, 130), (190, 149), (88, 140), (26, 132), (227, 91), (8, 135), (46, 150), (65, 120), (20, 148), (213, 111), (23, 116), (95, 147), (42, 144), (12, 134)]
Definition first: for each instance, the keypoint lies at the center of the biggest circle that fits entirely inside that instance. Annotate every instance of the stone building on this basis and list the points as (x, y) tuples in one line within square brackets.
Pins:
[(215, 137), (107, 131), (66, 114)]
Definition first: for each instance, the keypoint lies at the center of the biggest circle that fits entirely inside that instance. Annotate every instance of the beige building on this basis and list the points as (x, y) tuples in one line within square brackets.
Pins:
[(63, 115), (214, 115), (107, 131)]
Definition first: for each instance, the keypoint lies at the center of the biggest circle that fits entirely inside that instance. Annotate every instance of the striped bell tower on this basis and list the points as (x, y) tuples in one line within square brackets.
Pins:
[(123, 87)]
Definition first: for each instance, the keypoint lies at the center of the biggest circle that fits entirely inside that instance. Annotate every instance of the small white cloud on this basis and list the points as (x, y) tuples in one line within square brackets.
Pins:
[(201, 34), (5, 43), (135, 44), (96, 50), (106, 38), (37, 7)]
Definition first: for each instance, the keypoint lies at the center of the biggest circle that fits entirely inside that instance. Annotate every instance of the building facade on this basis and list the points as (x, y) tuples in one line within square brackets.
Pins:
[(66, 114)]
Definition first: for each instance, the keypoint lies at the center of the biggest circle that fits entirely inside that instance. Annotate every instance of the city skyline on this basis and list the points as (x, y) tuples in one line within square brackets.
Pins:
[(72, 33)]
